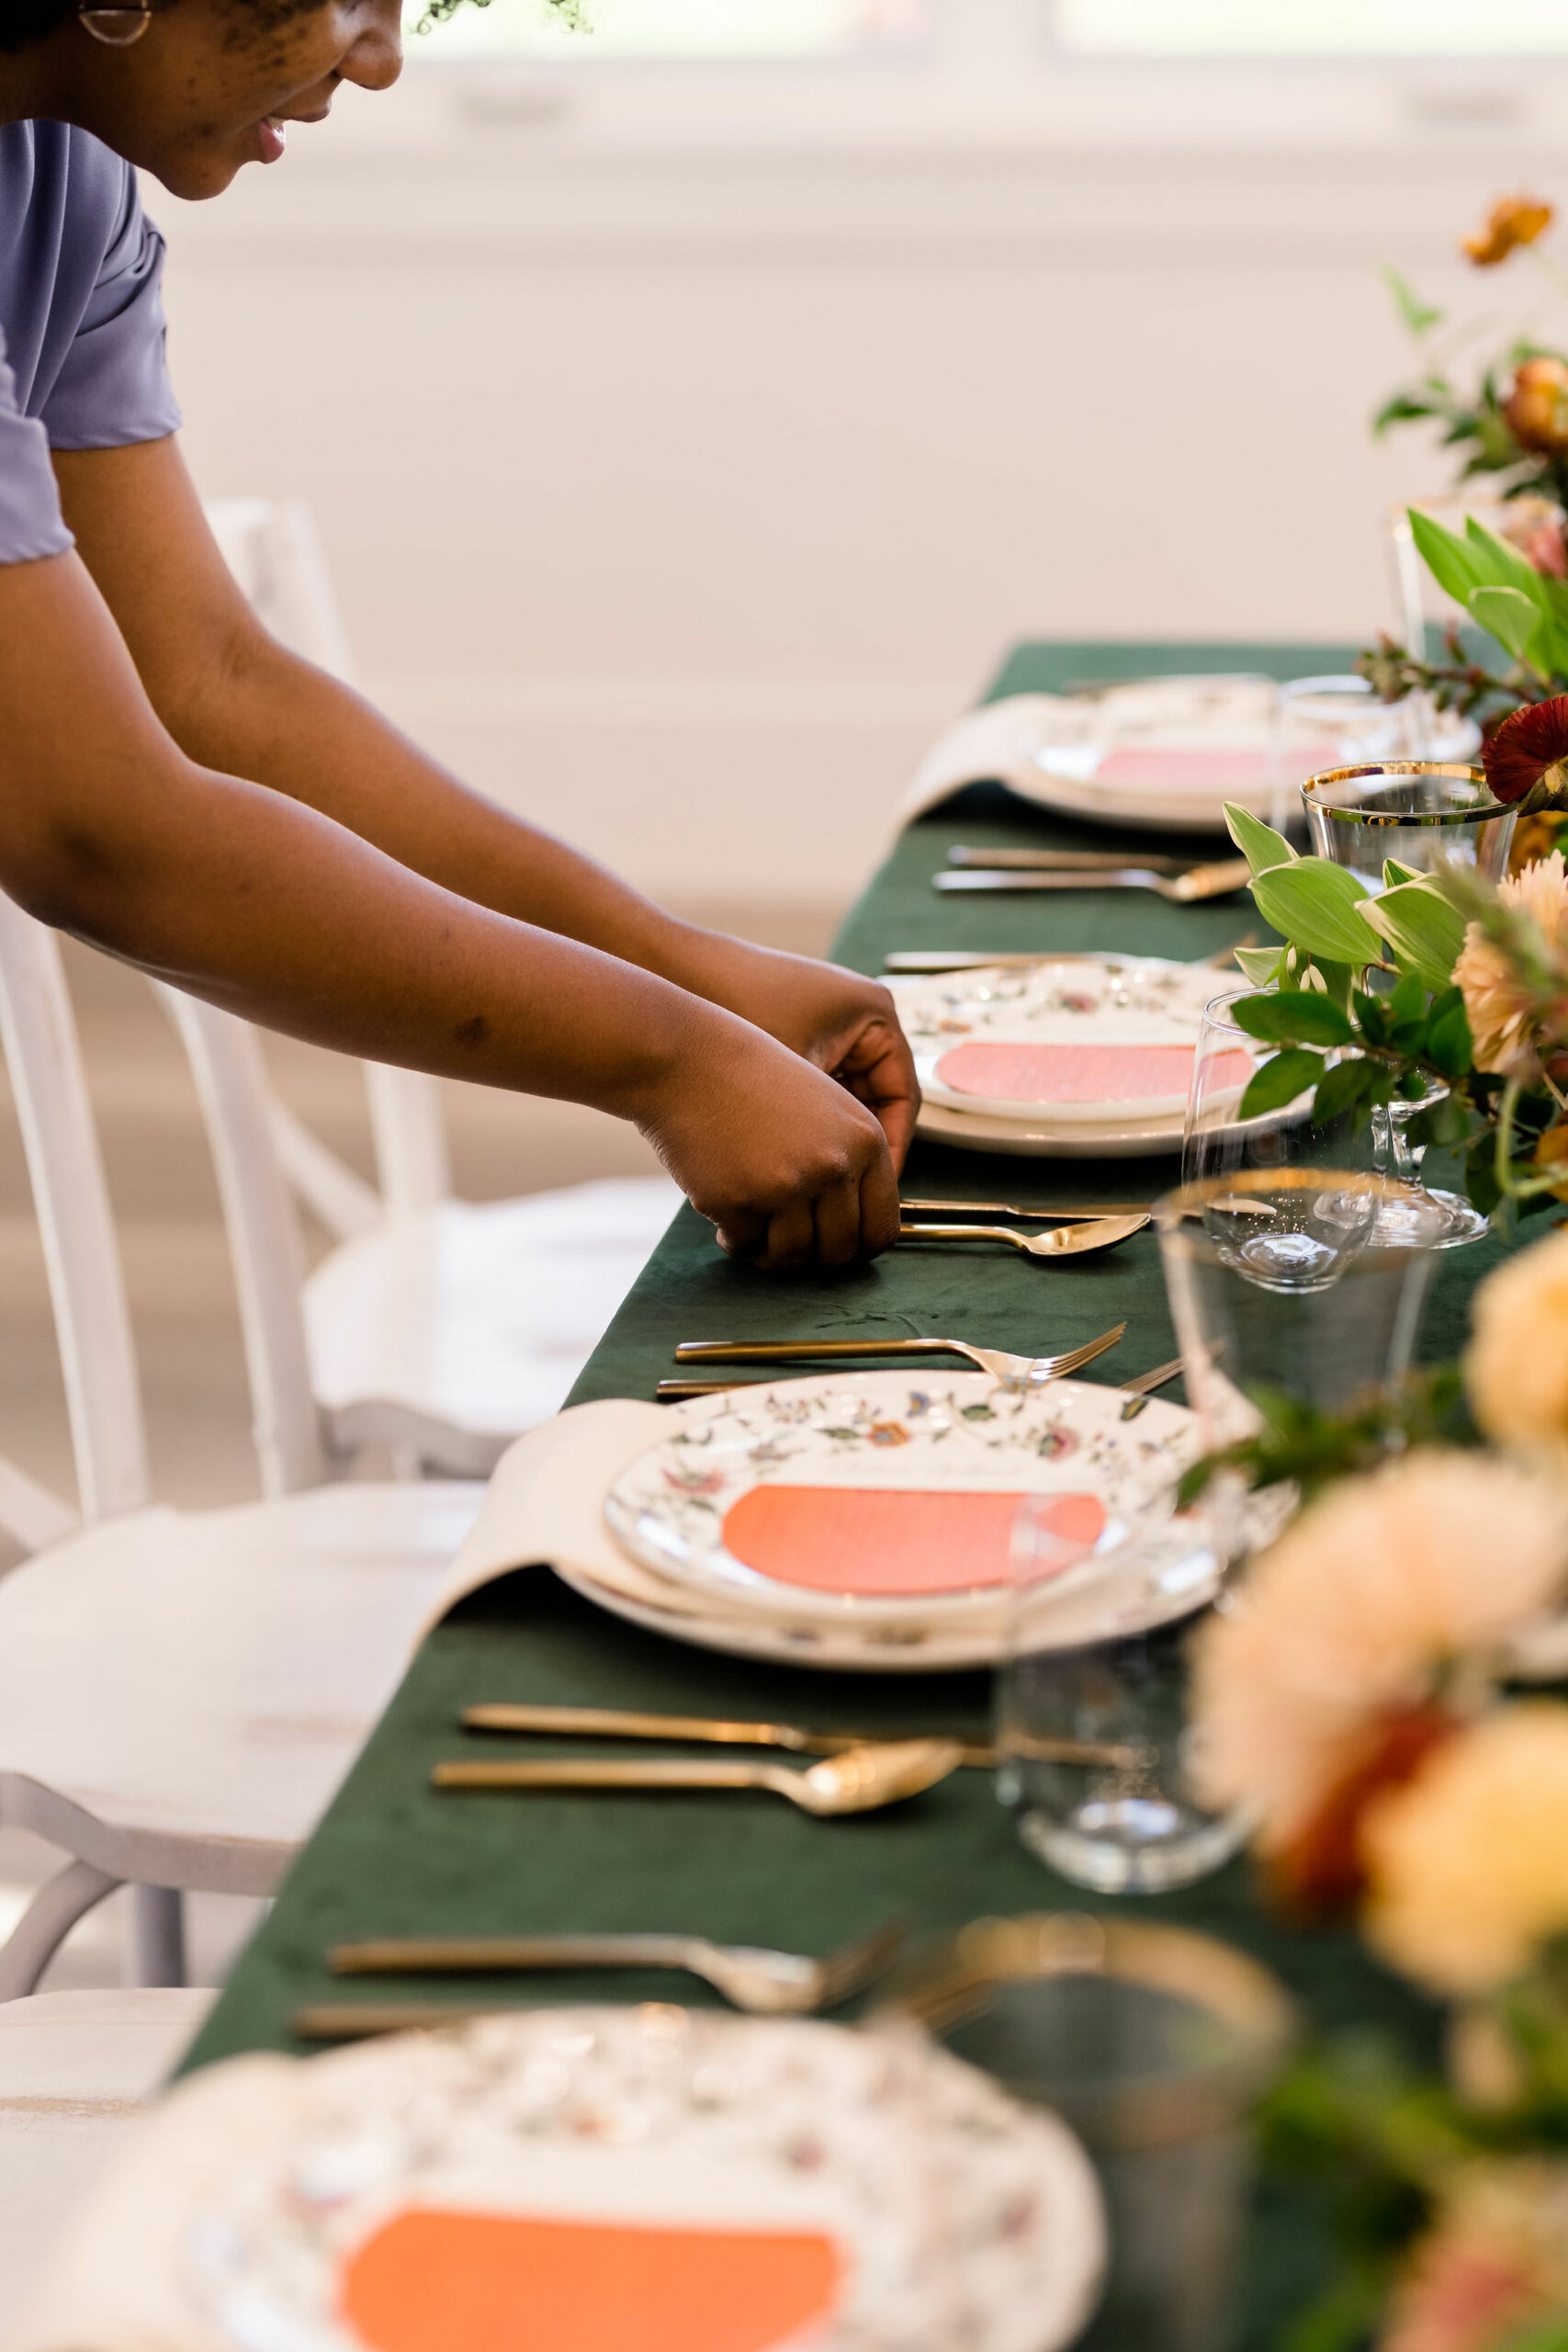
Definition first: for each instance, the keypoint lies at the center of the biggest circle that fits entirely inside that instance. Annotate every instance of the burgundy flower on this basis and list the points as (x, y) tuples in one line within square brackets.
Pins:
[(1525, 758)]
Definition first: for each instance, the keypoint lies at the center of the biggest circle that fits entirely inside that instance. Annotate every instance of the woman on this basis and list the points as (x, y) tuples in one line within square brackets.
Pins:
[(178, 789)]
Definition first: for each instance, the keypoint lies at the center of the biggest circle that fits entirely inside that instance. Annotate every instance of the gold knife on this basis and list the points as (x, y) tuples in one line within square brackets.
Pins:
[(619, 1723)]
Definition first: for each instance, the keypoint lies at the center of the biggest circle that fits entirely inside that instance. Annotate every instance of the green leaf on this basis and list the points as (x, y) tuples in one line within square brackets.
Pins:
[(1261, 845), (1449, 1044), (1512, 617), (1424, 932), (1261, 966), (1279, 1081), (1393, 873), (1314, 904), (1417, 318), (1444, 1124), (1452, 561), (1409, 1002), (1294, 1017), (1371, 1011), (1341, 1088)]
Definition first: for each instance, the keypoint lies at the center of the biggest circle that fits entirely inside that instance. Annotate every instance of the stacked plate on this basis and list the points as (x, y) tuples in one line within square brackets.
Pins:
[(596, 2178), (1088, 1057), (866, 1521), (1162, 753)]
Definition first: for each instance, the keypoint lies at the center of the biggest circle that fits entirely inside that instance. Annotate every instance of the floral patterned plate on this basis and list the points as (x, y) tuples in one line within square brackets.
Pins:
[(878, 1501), (1081, 1045), (683, 2181)]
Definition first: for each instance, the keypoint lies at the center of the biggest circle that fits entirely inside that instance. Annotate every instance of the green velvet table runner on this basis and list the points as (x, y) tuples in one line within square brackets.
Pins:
[(393, 1858)]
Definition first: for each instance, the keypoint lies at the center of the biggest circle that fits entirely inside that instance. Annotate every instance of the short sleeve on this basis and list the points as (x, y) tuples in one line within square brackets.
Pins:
[(31, 525), (113, 385)]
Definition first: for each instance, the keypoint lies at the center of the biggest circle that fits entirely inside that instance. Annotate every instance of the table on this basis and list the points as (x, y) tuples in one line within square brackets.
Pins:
[(393, 1858)]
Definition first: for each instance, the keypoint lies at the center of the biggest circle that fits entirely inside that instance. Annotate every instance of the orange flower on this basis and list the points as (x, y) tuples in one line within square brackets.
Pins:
[(1513, 220), (1537, 409)]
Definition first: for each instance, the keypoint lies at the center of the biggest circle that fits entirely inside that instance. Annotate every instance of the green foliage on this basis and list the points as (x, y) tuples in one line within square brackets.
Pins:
[(1422, 930), (1525, 610), (1280, 1080), (1295, 1017), (1259, 844), (1417, 318), (1310, 1449), (1316, 906)]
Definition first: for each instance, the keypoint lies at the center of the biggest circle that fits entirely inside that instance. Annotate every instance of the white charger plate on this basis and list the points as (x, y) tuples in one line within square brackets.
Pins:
[(1078, 1003), (1019, 1139), (1066, 1438), (1125, 755), (911, 2176)]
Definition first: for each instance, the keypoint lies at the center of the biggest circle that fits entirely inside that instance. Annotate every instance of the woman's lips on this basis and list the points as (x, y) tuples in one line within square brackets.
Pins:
[(272, 137)]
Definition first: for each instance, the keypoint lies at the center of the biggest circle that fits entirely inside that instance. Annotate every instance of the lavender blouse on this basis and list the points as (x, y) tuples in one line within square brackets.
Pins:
[(81, 322)]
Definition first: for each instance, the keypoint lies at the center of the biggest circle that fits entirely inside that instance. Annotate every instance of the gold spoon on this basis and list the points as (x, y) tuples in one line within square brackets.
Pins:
[(1062, 1241), (857, 1781)]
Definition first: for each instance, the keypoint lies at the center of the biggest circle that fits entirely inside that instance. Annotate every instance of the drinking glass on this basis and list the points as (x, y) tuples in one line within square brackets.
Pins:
[(1333, 722), (1279, 1281), (1092, 1700), (1217, 1141), (1426, 815), (1154, 2044)]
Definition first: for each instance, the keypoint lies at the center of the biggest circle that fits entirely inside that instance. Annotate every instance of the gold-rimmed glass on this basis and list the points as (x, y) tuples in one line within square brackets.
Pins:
[(1422, 813)]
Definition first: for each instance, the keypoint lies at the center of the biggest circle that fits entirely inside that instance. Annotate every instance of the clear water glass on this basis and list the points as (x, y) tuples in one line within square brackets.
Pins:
[(1154, 2044), (1278, 1281), (1092, 1731), (1424, 813), (1217, 1142), (1330, 722)]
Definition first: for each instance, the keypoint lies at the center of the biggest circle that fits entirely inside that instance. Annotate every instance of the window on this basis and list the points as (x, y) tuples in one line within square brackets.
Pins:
[(667, 29), (1345, 29)]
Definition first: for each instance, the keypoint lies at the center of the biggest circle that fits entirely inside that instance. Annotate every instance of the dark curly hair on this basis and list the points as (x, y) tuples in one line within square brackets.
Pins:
[(24, 21)]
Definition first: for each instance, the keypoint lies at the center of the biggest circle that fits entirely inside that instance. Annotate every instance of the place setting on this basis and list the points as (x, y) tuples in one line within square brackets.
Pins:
[(1063, 1058)]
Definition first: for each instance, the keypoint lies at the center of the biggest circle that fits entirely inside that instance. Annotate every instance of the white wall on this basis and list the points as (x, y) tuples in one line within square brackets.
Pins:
[(686, 451)]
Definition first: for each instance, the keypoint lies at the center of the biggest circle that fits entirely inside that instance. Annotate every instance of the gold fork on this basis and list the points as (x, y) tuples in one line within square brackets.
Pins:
[(765, 1983), (1008, 1371)]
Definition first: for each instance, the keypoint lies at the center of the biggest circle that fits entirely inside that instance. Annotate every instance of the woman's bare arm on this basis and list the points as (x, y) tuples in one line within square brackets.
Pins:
[(237, 701), (110, 829)]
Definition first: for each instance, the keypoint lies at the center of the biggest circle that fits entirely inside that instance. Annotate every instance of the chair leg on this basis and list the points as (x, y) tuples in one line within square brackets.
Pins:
[(45, 1924), (157, 1953)]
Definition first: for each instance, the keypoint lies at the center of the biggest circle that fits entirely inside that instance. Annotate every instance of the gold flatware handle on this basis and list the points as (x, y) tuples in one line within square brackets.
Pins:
[(1139, 1391), (592, 1773), (616, 1723), (962, 1233), (1055, 1215), (1127, 875), (1211, 881), (359, 2020), (969, 959), (1059, 861), (464, 1955), (682, 1392), (802, 1351)]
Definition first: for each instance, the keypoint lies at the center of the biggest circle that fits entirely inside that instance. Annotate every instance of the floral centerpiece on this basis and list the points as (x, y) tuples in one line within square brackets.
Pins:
[(1363, 1695), (1507, 426), (1442, 991)]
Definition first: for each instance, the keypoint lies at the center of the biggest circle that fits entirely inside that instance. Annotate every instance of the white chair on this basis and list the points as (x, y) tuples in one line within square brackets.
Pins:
[(182, 1691), (441, 1329)]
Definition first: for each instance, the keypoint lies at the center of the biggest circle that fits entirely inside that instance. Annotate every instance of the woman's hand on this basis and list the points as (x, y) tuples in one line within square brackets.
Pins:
[(840, 1020), (791, 1170)]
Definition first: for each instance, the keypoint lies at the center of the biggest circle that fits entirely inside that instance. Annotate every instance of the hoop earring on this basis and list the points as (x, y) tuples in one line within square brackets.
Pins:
[(117, 28)]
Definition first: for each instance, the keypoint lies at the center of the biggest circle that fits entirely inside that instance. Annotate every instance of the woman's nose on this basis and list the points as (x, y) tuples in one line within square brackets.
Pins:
[(376, 58)]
